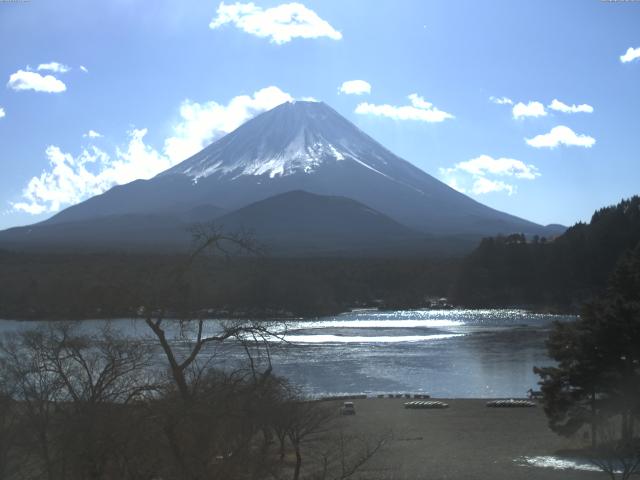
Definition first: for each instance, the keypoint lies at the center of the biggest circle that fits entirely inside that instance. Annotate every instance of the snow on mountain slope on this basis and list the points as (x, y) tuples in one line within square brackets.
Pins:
[(293, 138), (304, 146)]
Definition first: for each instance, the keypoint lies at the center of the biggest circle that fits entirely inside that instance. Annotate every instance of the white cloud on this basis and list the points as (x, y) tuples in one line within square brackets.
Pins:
[(201, 123), (84, 69), (2, 112), (630, 55), (474, 175), (355, 87), (419, 102), (70, 179), (501, 100), (561, 135), (92, 134), (25, 80), (419, 109), (537, 109), (54, 67), (281, 23), (531, 109), (484, 185), (564, 108), (486, 165)]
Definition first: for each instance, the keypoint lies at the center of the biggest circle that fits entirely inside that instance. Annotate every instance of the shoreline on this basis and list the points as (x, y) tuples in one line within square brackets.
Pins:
[(292, 317)]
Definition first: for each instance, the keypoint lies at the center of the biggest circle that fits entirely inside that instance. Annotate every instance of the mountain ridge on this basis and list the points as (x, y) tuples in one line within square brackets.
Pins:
[(304, 146)]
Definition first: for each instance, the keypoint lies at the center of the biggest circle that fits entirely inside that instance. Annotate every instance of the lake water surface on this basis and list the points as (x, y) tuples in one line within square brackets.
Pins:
[(445, 353)]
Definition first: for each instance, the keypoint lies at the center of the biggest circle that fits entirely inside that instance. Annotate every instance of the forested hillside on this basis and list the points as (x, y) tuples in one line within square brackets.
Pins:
[(114, 285), (555, 274), (539, 273)]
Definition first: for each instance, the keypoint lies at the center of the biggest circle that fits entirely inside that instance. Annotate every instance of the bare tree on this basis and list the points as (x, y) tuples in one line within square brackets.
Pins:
[(25, 367), (238, 330), (211, 421), (101, 374), (346, 455), (207, 239), (73, 390), (312, 430), (9, 429), (617, 457), (305, 420)]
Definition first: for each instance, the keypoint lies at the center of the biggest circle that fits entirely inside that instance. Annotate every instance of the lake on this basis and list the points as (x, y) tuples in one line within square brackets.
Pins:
[(444, 353)]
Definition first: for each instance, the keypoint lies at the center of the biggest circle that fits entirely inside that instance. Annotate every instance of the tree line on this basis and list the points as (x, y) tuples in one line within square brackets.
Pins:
[(556, 274), (65, 286)]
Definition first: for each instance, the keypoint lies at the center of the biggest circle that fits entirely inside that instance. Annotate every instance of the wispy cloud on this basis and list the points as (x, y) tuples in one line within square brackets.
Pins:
[(630, 55), (537, 109), (26, 80), (54, 67), (92, 134), (84, 69), (70, 179), (200, 123), (477, 175), (564, 108), (2, 113), (561, 135), (280, 24), (355, 87), (505, 167), (419, 110), (531, 109), (501, 100)]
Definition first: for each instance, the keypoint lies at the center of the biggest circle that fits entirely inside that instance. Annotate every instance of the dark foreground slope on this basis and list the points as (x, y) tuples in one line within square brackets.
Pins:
[(167, 231), (294, 223), (299, 223)]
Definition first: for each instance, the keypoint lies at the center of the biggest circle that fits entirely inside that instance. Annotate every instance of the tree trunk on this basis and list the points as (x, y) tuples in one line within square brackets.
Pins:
[(267, 439), (177, 371), (627, 427), (594, 430), (296, 473), (44, 443), (181, 382), (281, 440), (177, 452)]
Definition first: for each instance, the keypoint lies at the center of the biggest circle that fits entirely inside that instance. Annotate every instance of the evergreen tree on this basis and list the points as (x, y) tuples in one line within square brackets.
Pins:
[(597, 376)]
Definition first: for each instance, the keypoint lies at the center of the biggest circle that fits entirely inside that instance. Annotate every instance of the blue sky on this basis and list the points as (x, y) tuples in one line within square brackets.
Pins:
[(99, 93)]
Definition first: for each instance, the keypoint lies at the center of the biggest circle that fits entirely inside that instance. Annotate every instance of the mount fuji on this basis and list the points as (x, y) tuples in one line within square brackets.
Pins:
[(300, 161)]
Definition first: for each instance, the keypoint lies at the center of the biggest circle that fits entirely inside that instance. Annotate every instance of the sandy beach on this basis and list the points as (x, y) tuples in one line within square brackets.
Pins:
[(465, 441)]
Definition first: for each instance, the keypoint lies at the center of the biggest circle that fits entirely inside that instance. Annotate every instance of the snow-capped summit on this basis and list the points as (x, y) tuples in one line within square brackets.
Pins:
[(295, 137)]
